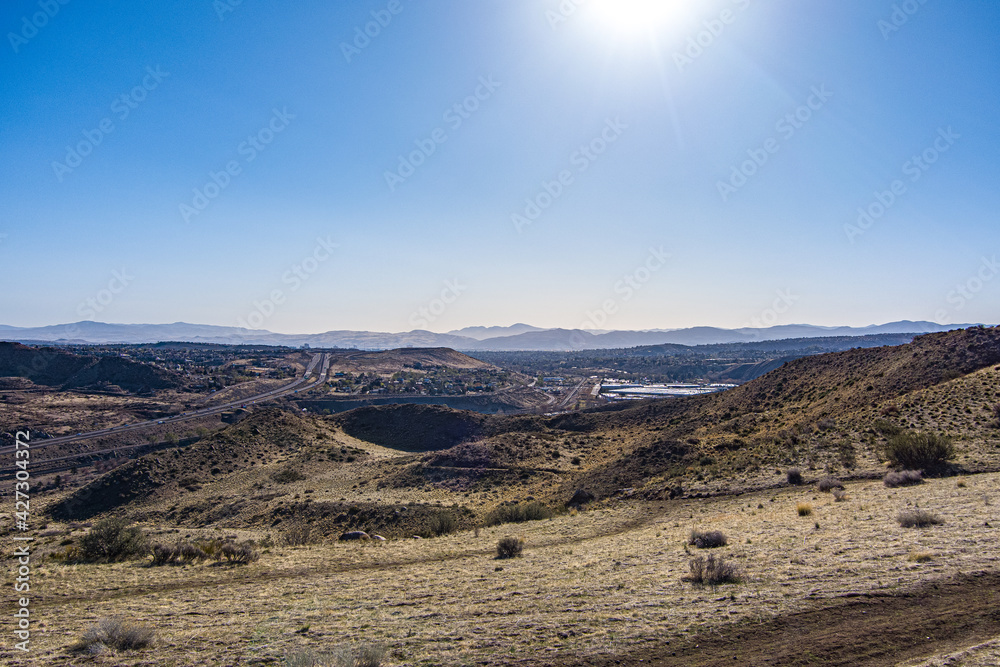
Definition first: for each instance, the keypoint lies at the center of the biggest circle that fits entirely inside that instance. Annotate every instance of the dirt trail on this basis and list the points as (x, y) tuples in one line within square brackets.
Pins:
[(869, 630)]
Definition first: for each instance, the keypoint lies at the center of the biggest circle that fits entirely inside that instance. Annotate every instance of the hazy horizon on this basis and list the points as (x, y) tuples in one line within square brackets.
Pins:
[(391, 166)]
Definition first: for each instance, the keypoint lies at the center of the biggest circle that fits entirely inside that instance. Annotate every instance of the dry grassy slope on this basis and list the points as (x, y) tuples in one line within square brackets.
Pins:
[(265, 438), (815, 411)]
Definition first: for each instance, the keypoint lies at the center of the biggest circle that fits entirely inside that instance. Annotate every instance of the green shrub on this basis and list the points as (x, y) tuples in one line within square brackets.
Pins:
[(442, 523), (519, 513), (713, 571), (919, 451), (113, 541), (709, 540), (509, 547)]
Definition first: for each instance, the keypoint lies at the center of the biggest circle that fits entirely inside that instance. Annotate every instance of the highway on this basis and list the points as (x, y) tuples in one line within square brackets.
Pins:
[(300, 384)]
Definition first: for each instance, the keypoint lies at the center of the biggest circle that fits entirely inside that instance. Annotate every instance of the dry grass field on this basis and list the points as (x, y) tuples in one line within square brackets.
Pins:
[(603, 582)]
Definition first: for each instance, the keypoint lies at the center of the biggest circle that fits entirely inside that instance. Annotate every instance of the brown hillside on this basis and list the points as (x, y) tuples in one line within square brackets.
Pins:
[(262, 439)]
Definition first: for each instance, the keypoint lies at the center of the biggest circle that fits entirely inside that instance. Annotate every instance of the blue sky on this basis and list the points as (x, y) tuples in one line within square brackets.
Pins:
[(713, 158)]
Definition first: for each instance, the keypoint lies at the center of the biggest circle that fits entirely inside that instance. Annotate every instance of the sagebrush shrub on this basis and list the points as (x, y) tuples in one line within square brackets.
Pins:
[(519, 513), (713, 571), (709, 540), (918, 519), (795, 476), (509, 547), (443, 523), (919, 451), (177, 554), (839, 495), (118, 635), (894, 479), (298, 535), (829, 483), (113, 541), (238, 554)]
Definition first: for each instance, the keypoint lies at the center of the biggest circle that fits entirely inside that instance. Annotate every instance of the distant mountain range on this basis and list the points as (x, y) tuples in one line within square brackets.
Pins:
[(515, 337)]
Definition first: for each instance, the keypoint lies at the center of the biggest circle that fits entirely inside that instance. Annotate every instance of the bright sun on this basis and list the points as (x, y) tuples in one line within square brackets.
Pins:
[(635, 16)]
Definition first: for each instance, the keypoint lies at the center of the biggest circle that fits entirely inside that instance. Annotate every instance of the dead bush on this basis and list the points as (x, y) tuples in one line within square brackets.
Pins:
[(795, 476), (713, 571), (116, 634), (298, 535), (367, 655)]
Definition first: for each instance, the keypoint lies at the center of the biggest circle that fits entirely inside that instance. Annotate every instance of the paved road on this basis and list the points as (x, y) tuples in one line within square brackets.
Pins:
[(307, 381)]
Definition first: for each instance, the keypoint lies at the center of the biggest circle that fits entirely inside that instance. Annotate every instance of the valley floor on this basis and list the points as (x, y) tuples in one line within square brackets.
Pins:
[(843, 585)]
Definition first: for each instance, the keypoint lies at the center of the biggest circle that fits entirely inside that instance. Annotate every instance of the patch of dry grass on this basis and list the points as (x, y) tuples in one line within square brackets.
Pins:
[(603, 574)]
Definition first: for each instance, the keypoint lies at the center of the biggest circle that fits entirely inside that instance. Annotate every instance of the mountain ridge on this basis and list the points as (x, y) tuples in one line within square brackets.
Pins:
[(528, 338)]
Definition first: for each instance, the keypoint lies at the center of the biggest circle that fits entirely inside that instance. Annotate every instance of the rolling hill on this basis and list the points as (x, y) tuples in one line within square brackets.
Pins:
[(57, 368), (819, 413)]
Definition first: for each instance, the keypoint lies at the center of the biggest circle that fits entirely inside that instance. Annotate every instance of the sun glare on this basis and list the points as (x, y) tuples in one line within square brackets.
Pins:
[(637, 16)]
